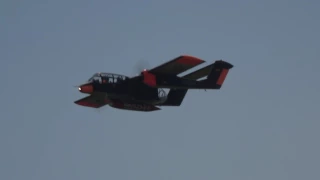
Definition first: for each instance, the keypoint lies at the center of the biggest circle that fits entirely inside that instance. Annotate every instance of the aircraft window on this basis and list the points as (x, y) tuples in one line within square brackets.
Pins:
[(97, 79), (104, 79), (116, 78), (110, 79), (119, 79)]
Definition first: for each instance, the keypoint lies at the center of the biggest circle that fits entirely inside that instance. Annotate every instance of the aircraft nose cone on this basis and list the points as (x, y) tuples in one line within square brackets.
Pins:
[(87, 88)]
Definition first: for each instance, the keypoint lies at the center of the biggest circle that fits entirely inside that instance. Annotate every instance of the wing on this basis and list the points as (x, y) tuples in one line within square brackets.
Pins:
[(93, 101), (177, 65), (199, 73)]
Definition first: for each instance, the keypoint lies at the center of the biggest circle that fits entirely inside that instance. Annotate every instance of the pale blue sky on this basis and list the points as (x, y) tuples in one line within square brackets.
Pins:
[(263, 124)]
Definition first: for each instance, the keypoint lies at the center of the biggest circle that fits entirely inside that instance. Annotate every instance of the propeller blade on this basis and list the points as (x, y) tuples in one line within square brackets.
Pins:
[(140, 66)]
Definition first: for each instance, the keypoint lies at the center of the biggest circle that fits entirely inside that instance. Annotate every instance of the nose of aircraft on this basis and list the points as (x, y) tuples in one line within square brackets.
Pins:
[(86, 88)]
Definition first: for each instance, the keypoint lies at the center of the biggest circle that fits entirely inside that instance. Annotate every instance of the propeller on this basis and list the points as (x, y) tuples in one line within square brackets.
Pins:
[(78, 87), (140, 66)]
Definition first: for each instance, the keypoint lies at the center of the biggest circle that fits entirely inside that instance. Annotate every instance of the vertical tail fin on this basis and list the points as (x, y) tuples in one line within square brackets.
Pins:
[(217, 75), (175, 97)]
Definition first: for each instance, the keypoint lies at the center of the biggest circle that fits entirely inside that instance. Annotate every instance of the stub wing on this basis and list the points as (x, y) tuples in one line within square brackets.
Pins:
[(133, 106), (93, 101), (177, 65)]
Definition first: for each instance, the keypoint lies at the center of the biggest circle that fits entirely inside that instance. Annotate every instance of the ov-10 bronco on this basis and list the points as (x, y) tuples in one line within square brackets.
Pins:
[(144, 92)]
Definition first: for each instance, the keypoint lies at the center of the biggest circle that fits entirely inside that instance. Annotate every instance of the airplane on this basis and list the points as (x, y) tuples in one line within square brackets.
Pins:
[(144, 92)]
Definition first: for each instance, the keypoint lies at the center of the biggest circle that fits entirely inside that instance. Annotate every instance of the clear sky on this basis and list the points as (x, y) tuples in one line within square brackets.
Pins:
[(263, 124)]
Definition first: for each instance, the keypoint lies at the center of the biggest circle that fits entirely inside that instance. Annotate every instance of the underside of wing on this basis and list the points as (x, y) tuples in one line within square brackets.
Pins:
[(199, 73), (177, 65), (93, 101)]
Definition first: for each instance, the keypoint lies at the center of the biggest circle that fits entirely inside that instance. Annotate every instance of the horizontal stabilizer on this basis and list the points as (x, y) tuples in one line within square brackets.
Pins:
[(199, 73), (93, 101)]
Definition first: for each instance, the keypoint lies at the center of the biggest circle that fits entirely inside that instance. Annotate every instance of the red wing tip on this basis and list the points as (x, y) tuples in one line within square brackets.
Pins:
[(86, 104), (190, 60)]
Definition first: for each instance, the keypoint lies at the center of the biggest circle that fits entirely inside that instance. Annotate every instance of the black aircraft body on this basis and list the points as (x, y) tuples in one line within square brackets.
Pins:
[(144, 92)]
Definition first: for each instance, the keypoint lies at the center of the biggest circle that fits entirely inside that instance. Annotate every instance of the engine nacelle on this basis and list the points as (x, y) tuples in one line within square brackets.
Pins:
[(149, 78)]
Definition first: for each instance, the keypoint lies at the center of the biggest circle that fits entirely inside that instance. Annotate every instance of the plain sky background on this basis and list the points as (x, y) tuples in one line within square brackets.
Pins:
[(263, 124)]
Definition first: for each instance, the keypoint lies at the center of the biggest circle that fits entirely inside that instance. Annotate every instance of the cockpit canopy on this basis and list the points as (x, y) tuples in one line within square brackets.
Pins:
[(108, 78)]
